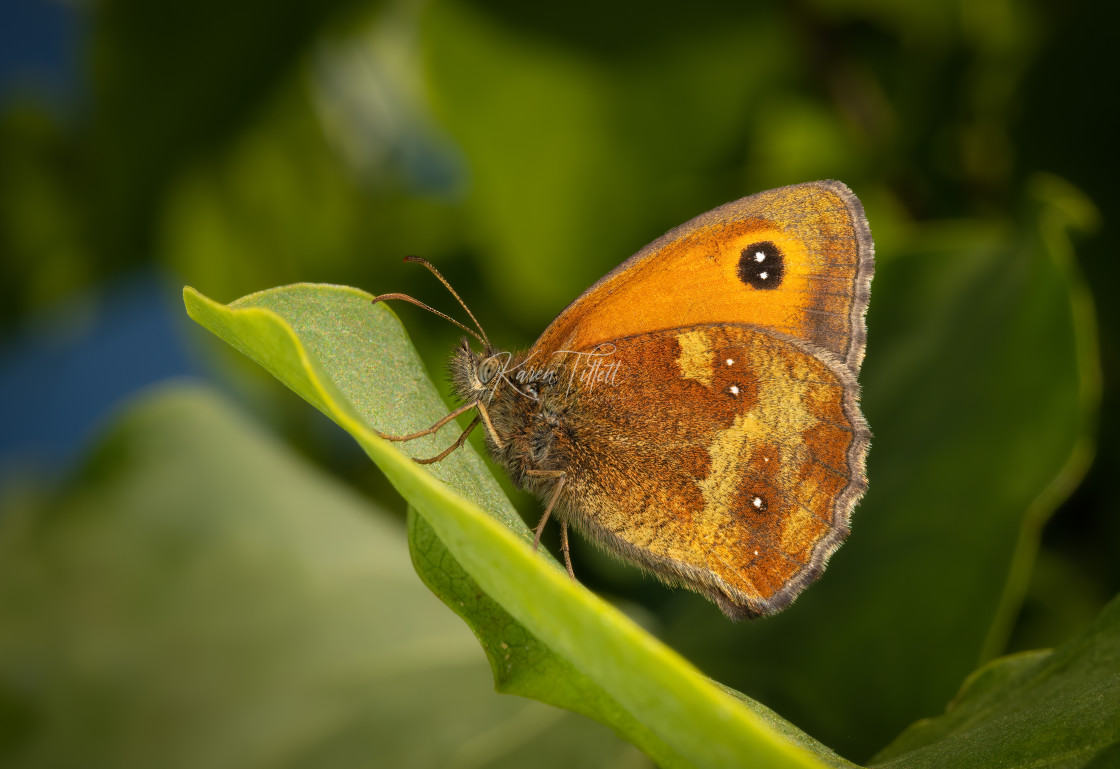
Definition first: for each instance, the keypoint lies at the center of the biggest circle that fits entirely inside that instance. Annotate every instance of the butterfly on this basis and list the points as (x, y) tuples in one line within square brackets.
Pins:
[(696, 411)]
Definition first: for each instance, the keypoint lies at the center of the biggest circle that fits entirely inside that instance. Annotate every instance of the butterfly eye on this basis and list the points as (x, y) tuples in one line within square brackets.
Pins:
[(762, 266), (487, 370)]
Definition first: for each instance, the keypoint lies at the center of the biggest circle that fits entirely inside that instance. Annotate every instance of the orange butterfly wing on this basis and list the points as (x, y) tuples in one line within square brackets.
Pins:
[(702, 272), (725, 449)]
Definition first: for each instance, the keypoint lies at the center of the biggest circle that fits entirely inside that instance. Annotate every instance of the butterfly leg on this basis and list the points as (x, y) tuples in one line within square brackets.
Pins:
[(564, 548), (482, 412), (452, 447), (412, 436), (548, 512), (485, 416)]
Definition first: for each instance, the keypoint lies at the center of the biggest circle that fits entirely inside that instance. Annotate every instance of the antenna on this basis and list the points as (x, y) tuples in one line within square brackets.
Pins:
[(431, 268)]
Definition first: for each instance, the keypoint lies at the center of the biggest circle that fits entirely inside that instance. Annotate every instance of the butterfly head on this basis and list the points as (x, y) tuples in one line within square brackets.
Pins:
[(491, 372), (475, 375)]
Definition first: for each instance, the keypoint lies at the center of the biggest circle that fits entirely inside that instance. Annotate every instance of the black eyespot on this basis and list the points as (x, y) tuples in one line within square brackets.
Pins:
[(762, 266)]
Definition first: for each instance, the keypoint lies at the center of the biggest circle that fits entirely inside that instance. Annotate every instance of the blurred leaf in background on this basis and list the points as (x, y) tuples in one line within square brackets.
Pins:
[(201, 597), (528, 149)]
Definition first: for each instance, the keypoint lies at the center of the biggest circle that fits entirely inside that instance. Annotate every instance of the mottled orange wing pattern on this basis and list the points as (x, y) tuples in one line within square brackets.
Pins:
[(719, 456)]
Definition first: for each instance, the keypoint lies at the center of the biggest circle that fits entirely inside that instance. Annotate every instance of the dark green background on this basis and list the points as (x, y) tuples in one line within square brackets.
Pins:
[(528, 148)]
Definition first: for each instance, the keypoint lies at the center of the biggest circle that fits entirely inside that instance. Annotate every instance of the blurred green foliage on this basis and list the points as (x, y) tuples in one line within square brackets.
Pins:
[(177, 606), (527, 149)]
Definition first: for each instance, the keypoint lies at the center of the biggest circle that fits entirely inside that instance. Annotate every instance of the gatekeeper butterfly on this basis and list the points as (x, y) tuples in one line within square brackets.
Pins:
[(696, 411)]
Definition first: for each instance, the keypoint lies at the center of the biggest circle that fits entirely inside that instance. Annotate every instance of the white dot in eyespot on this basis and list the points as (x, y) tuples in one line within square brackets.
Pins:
[(763, 275), (730, 361), (757, 502), (734, 389), (756, 552), (759, 256)]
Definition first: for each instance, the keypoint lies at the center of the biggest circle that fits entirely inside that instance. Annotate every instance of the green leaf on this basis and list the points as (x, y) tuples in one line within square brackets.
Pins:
[(545, 635), (201, 597), (1034, 709)]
